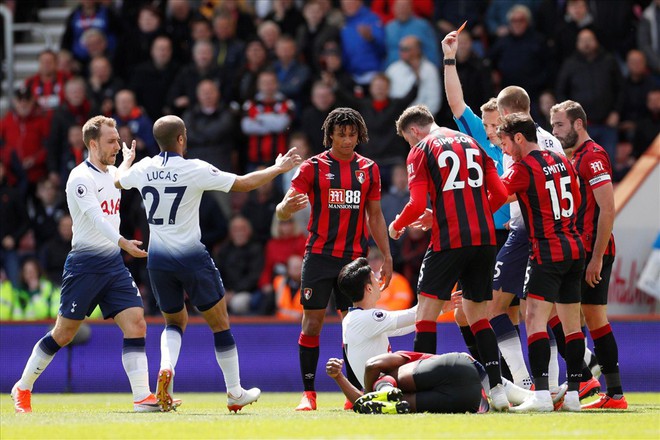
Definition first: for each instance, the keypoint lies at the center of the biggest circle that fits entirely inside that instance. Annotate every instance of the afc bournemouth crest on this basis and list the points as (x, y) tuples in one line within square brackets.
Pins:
[(361, 176), (307, 293)]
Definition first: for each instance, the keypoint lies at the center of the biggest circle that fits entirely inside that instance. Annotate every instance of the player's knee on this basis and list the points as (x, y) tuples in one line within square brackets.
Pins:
[(62, 336), (595, 318), (312, 326)]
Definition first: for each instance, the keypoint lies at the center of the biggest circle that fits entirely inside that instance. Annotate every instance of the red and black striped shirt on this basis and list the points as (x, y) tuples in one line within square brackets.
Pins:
[(49, 94), (547, 188), (453, 168), (593, 167), (338, 192), (263, 148)]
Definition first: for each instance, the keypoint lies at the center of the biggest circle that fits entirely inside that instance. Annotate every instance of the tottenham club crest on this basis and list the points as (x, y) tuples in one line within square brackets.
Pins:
[(307, 293), (360, 176)]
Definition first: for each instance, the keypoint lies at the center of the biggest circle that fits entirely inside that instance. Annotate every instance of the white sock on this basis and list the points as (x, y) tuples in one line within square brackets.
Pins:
[(587, 353), (170, 346), (137, 369), (512, 353), (228, 361), (35, 365), (553, 366)]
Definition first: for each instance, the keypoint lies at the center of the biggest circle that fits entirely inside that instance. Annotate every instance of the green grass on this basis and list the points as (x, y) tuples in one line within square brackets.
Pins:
[(97, 416)]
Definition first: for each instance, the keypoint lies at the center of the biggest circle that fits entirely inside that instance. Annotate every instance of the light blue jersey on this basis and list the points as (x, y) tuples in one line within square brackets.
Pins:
[(471, 124)]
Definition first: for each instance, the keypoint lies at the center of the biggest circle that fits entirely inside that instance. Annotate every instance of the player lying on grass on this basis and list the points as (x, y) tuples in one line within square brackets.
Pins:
[(365, 330)]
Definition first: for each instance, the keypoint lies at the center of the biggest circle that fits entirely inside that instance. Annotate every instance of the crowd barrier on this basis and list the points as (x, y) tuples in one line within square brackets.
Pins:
[(268, 353)]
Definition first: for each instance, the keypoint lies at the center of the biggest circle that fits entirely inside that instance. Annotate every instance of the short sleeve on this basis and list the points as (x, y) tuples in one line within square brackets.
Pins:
[(84, 191), (416, 165), (131, 177), (302, 180), (595, 169), (374, 189), (376, 321), (210, 178)]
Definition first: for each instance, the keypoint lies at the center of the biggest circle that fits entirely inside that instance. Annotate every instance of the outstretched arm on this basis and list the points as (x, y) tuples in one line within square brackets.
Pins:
[(378, 229), (255, 179), (453, 87), (333, 369)]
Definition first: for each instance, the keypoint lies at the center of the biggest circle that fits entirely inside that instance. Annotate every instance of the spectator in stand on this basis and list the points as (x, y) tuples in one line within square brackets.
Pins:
[(178, 19), (333, 72), (497, 16), (398, 295), (35, 297), (413, 247), (286, 290), (13, 226), (293, 77), (151, 79), (240, 260), (592, 77), (201, 29), (135, 44), (300, 142), (45, 211), (47, 85), (286, 240), (243, 15), (393, 202), (183, 92), (286, 15), (75, 152), (89, 14), (521, 56), (96, 44), (311, 120), (228, 49), (648, 128), (542, 116), (23, 133), (363, 41), (449, 16), (102, 85), (266, 120), (385, 147), (413, 67), (332, 13), (75, 110), (577, 17), (67, 64), (474, 73), (618, 21), (637, 85), (623, 162), (406, 23), (212, 134), (386, 9), (129, 114), (212, 222), (312, 35), (647, 35), (53, 253), (259, 209), (269, 32), (245, 81)]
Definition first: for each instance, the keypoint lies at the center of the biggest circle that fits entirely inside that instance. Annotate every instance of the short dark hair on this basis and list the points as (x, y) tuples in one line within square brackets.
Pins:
[(166, 131), (573, 110), (344, 117), (417, 114), (353, 278), (518, 123)]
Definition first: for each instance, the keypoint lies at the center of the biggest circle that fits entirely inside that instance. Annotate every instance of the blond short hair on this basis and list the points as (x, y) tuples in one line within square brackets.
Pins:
[(92, 128)]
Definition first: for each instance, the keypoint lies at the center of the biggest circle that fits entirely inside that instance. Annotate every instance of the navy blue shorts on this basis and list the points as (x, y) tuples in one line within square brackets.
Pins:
[(203, 286), (471, 265), (319, 282), (82, 292), (511, 263)]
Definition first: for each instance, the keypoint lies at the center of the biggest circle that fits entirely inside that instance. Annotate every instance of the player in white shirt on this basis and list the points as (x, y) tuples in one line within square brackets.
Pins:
[(366, 330), (172, 188), (94, 272), (511, 264)]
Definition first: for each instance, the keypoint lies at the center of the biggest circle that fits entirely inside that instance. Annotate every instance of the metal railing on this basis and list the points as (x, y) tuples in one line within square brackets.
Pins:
[(8, 19)]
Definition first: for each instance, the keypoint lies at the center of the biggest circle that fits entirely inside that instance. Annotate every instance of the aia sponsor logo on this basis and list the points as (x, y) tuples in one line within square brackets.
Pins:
[(110, 207)]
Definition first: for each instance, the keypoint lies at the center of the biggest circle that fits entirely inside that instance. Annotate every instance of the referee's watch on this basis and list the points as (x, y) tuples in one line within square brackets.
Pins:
[(449, 61)]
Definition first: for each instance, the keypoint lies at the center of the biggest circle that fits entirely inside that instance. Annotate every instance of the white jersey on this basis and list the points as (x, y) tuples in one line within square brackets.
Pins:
[(172, 189), (365, 334), (546, 141), (93, 203)]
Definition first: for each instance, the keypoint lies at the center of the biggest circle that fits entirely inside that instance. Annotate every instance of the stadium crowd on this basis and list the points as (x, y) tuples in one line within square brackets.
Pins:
[(253, 78)]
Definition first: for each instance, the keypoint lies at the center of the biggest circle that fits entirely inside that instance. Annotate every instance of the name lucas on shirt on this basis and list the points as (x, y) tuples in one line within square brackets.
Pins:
[(162, 175)]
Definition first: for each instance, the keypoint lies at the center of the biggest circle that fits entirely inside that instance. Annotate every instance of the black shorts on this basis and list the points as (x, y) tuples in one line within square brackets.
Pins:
[(203, 286), (448, 383), (501, 236), (472, 266), (555, 282), (319, 282), (598, 295)]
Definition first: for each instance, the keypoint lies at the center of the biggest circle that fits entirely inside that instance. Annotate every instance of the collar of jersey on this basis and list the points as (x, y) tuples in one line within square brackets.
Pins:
[(91, 165), (350, 309), (168, 154)]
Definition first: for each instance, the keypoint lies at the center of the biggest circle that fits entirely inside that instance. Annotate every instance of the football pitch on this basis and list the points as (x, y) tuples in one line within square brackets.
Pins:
[(204, 415)]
